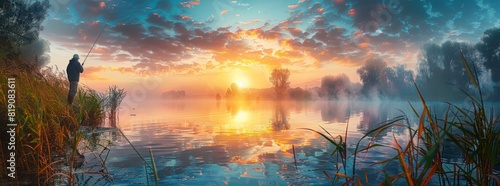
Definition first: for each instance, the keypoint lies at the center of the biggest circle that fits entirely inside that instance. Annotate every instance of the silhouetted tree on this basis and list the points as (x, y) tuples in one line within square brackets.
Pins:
[(279, 78), (336, 86), (441, 73), (373, 74), (228, 93), (400, 82), (20, 24), (299, 94), (235, 90), (489, 47), (174, 94)]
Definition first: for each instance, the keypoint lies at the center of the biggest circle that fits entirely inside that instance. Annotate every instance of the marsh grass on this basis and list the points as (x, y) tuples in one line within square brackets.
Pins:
[(113, 100), (43, 119), (472, 128), (47, 132)]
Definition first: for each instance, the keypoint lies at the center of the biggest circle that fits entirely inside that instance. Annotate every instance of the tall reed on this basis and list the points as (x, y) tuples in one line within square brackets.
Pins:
[(472, 128), (43, 117), (47, 132), (113, 100)]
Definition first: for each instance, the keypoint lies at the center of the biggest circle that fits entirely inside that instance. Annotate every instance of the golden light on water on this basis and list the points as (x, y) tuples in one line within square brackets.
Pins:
[(241, 116)]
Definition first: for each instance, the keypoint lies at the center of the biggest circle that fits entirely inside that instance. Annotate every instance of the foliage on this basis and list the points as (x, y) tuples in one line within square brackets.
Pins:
[(44, 121), (20, 24), (113, 100), (299, 94), (90, 107), (441, 74), (374, 77), (400, 82), (279, 79), (489, 47), (336, 87)]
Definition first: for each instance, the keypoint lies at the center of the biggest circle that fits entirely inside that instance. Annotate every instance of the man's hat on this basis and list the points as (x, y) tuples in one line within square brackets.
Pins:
[(76, 56)]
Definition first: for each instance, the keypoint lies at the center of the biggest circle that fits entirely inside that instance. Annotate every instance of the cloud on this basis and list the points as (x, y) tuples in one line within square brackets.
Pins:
[(160, 21), (169, 36)]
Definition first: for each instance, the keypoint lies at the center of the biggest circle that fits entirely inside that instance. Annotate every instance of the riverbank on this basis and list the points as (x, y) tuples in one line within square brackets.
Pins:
[(39, 127)]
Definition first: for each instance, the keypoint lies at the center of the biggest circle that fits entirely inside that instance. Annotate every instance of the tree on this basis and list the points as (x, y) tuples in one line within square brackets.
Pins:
[(374, 77), (299, 94), (279, 79), (400, 81), (489, 47), (336, 86), (441, 73), (20, 24)]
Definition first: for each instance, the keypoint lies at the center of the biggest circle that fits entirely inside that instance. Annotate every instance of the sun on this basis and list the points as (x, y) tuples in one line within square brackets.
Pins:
[(242, 83)]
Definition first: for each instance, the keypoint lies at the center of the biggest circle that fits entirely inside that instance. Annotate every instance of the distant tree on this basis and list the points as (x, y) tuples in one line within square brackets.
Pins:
[(336, 86), (174, 94), (279, 79), (400, 81), (299, 94), (373, 75), (235, 90), (20, 24), (489, 47), (441, 74), (228, 93)]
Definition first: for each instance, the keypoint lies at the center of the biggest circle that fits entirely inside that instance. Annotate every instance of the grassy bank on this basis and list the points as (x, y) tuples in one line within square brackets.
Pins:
[(46, 135)]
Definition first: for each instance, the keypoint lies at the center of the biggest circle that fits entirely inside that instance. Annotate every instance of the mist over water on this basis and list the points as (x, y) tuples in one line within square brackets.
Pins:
[(239, 142)]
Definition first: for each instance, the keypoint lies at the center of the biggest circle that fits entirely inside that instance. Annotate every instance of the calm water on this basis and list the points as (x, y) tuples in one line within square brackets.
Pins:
[(205, 142)]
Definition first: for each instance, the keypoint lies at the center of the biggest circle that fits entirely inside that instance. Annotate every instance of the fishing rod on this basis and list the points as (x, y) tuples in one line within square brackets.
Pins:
[(94, 43)]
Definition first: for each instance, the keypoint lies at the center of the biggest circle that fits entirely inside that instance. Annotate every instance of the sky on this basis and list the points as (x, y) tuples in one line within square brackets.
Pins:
[(202, 46)]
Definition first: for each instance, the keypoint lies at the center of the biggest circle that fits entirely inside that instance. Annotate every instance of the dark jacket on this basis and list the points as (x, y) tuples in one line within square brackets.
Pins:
[(73, 70)]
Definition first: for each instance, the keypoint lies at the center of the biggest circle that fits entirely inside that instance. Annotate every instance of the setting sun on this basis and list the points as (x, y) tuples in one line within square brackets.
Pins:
[(242, 83)]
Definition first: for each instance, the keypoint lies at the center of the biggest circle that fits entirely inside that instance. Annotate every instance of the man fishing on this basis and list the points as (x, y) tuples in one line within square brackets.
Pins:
[(73, 71)]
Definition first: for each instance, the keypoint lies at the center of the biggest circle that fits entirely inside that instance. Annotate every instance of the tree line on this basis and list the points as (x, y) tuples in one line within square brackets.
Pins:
[(440, 75)]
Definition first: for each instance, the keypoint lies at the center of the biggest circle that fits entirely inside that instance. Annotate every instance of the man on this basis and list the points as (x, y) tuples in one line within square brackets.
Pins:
[(73, 70)]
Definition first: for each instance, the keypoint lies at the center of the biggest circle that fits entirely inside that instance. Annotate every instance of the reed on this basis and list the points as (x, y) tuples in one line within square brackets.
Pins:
[(47, 126), (42, 117), (113, 100), (472, 128)]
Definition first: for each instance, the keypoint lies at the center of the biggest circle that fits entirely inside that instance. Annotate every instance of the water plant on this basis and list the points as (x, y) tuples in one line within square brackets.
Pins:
[(113, 100), (472, 128), (48, 128)]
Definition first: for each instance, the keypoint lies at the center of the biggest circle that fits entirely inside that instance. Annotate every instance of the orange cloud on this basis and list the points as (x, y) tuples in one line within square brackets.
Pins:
[(363, 45), (352, 12), (223, 12), (293, 6), (102, 5), (250, 22)]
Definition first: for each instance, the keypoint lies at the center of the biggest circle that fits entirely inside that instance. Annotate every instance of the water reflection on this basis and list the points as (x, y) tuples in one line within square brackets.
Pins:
[(280, 120), (247, 142), (335, 112), (373, 116)]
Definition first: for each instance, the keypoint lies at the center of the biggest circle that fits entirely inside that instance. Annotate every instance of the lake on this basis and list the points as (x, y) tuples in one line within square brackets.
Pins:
[(209, 142)]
